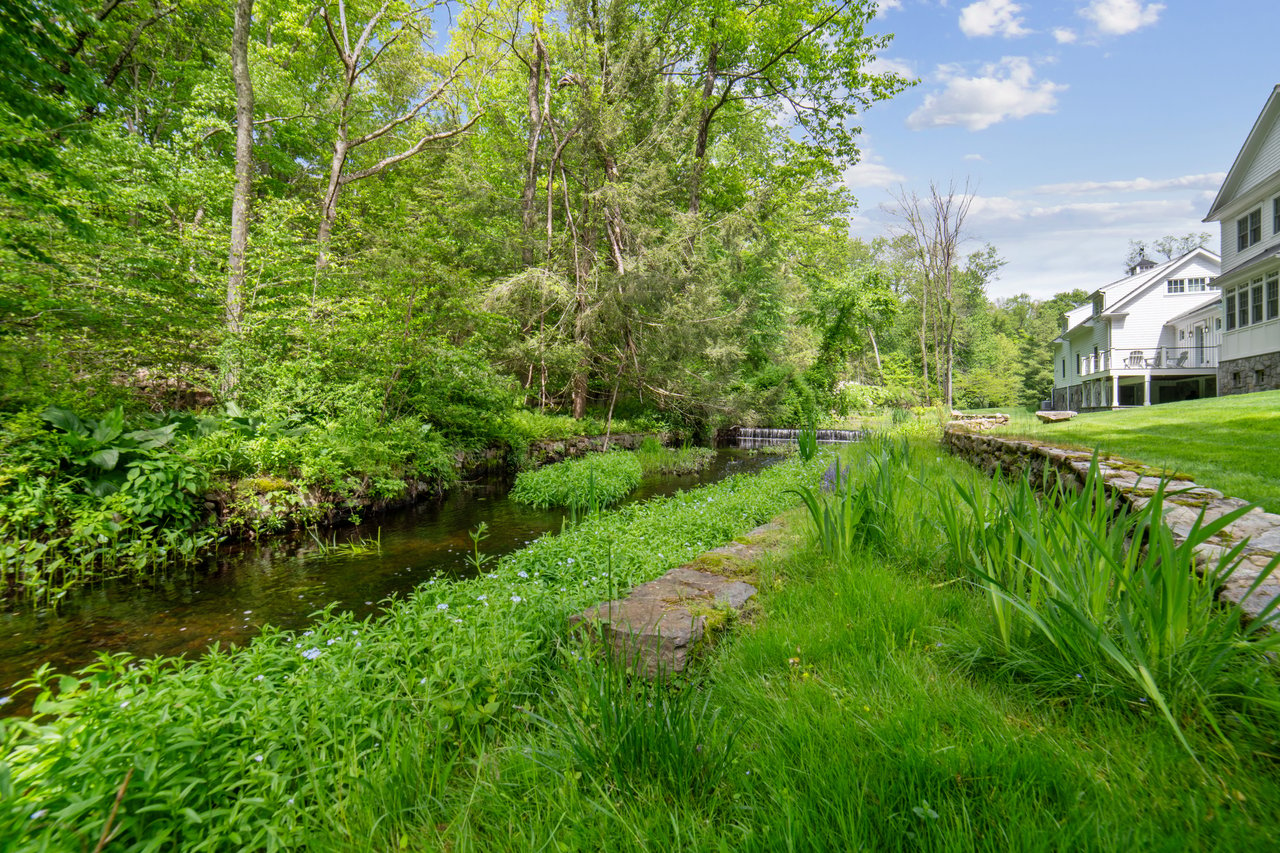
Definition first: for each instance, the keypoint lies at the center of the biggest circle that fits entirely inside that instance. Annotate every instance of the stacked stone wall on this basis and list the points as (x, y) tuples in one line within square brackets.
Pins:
[(1240, 375), (1133, 483)]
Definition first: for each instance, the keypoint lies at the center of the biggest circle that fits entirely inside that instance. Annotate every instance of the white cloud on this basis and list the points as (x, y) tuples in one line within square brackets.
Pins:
[(977, 157), (1208, 181), (1118, 17), (888, 6), (992, 17), (1004, 90), (1055, 239), (1064, 35), (871, 173)]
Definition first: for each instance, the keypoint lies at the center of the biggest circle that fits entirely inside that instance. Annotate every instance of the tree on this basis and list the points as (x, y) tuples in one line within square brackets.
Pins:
[(244, 184), (936, 228), (806, 60), (376, 43), (1169, 246)]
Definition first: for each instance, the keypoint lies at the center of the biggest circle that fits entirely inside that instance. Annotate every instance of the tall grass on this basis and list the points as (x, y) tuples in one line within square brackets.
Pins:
[(656, 459), (1084, 588), (861, 511)]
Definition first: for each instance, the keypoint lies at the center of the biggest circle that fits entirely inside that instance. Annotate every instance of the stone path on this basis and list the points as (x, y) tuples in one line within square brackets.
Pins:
[(1134, 483), (661, 623)]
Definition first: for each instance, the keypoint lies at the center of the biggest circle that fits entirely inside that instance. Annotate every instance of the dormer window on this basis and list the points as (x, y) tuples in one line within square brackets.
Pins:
[(1248, 230), (1097, 305)]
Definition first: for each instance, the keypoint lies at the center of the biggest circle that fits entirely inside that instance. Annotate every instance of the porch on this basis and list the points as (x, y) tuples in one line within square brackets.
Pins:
[(1115, 379)]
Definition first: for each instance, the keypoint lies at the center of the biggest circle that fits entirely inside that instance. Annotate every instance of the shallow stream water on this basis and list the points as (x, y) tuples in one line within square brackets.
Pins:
[(284, 581)]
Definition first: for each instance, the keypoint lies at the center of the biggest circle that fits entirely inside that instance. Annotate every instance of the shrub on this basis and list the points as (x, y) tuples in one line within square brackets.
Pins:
[(599, 479)]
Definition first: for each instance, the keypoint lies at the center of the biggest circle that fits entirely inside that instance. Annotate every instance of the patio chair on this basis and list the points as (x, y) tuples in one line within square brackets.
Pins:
[(1182, 360), (1155, 362), (1135, 359)]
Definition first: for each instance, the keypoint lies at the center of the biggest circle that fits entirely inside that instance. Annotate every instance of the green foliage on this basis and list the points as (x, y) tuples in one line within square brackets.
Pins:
[(1074, 595), (860, 512), (656, 459), (255, 747), (595, 480), (89, 498), (630, 734), (807, 443)]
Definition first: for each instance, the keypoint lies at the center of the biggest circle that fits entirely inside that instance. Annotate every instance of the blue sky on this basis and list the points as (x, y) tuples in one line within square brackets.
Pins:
[(1080, 124)]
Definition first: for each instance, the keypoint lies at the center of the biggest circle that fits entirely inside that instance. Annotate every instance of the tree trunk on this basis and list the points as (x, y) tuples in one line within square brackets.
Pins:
[(539, 79), (704, 130), (243, 188)]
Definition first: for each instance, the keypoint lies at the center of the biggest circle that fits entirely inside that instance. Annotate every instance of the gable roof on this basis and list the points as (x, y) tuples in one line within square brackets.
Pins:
[(1127, 289), (1257, 136), (1163, 271)]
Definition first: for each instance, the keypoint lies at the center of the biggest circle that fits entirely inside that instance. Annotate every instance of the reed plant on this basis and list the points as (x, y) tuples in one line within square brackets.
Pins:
[(807, 443), (863, 511), (1086, 589), (686, 459)]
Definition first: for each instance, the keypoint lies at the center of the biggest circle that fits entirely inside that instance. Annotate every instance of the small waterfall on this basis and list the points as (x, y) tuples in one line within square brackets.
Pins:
[(748, 437)]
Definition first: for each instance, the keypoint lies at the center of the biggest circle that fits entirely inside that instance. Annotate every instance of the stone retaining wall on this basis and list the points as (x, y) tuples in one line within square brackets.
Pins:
[(1133, 483)]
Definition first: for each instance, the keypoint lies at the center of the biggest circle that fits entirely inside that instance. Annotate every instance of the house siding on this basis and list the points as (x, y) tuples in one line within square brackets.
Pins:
[(1260, 184)]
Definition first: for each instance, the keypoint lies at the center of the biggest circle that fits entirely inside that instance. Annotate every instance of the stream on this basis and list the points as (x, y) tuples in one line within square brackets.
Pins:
[(283, 581)]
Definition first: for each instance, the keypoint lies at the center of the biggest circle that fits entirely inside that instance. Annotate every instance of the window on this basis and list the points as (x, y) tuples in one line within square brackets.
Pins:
[(1259, 377), (1064, 368), (1231, 310), (1217, 324), (1079, 359), (1257, 301), (1177, 285), (1182, 334), (1235, 378), (1275, 215), (1242, 302), (1248, 230), (1097, 305), (1273, 296)]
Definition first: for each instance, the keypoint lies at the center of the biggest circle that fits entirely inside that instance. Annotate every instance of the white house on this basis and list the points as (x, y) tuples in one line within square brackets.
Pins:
[(1248, 206), (1150, 337)]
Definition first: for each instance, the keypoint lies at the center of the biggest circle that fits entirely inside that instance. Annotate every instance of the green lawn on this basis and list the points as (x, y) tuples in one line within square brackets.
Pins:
[(1227, 443)]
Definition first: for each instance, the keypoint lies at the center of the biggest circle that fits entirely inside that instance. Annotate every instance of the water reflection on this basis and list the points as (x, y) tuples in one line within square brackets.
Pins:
[(286, 580)]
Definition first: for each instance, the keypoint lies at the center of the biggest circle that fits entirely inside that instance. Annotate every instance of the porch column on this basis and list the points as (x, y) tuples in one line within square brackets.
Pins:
[(1146, 389), (1115, 391)]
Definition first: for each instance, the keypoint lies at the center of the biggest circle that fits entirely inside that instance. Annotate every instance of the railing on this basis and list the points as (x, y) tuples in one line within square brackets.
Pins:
[(1151, 358)]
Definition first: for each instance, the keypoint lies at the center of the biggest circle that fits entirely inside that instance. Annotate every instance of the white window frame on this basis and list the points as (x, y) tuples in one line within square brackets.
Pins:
[(1249, 230)]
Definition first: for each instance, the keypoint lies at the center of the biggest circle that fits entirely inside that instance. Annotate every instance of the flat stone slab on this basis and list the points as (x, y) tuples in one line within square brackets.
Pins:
[(660, 623), (1055, 417)]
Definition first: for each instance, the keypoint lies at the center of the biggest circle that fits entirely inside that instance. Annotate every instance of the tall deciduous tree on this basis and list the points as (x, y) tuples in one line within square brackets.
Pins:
[(361, 59), (243, 187), (936, 227)]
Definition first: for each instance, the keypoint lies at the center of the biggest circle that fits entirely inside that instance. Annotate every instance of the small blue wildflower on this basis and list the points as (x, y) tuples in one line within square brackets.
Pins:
[(442, 606), (312, 654)]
